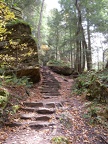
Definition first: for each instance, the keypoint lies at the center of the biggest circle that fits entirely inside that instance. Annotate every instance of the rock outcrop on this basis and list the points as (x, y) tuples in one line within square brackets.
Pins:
[(20, 53)]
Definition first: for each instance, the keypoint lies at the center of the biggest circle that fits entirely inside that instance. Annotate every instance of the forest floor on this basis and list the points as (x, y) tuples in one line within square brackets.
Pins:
[(67, 124)]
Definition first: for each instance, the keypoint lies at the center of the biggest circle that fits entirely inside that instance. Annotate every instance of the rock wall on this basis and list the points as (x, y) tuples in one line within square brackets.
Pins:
[(20, 53)]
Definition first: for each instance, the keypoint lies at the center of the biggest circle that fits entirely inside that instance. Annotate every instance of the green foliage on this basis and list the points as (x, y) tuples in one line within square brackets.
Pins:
[(96, 114), (92, 110), (57, 63), (13, 80), (15, 21), (93, 86), (103, 76), (60, 140), (63, 27), (6, 16), (30, 10), (15, 108), (4, 96), (82, 83)]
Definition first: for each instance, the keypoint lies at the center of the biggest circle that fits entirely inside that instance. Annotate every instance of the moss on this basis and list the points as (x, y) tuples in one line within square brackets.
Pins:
[(17, 28), (4, 95), (60, 140), (16, 21)]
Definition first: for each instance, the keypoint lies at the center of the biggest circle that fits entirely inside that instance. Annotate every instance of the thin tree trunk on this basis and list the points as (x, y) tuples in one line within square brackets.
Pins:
[(70, 31), (39, 24), (89, 45), (83, 59), (77, 56), (74, 54), (80, 35), (78, 38), (57, 39)]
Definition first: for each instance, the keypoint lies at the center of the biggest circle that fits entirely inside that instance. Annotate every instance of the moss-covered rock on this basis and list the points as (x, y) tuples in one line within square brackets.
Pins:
[(20, 51), (63, 70), (32, 73), (18, 28)]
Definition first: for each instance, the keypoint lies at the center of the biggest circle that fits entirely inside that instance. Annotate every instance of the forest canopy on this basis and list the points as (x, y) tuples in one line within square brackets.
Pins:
[(77, 33)]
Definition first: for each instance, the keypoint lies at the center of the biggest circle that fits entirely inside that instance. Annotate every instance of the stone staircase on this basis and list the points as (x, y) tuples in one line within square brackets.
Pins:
[(50, 86), (37, 115)]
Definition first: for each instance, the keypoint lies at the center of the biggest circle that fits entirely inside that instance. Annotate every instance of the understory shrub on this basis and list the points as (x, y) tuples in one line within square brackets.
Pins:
[(58, 63), (93, 86)]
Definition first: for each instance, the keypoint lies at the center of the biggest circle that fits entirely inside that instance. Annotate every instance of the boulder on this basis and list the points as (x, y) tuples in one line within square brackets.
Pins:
[(63, 70), (32, 73)]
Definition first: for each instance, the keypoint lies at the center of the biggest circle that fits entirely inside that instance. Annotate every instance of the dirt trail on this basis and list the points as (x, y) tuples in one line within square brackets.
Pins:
[(56, 113)]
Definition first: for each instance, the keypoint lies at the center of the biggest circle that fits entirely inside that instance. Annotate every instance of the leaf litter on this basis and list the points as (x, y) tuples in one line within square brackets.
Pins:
[(69, 120)]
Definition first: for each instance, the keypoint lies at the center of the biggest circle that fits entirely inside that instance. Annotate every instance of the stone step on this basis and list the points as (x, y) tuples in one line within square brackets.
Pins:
[(13, 124), (27, 116), (49, 97), (47, 77), (29, 109), (49, 91), (43, 118), (52, 82), (33, 124), (53, 104), (49, 82), (40, 125), (40, 110), (48, 86), (33, 104), (45, 111), (35, 107), (34, 116), (52, 94), (50, 105)]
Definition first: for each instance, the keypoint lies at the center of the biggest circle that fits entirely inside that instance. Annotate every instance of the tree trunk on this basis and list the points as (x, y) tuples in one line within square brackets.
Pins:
[(57, 39), (74, 54), (89, 46), (106, 65), (39, 24), (83, 58), (80, 37), (71, 58)]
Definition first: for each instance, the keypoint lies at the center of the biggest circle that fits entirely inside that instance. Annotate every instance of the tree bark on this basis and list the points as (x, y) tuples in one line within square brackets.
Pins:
[(71, 50), (83, 59), (57, 40), (80, 37), (39, 24), (89, 45)]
